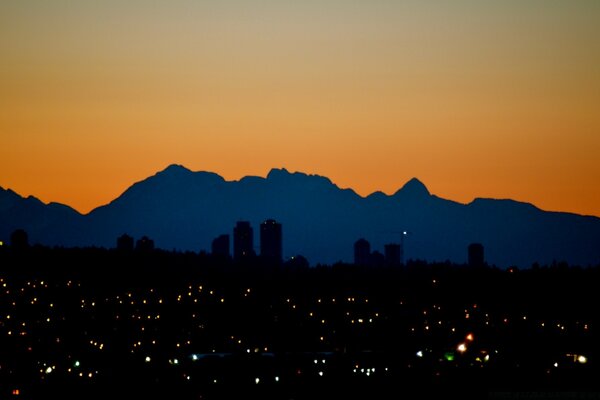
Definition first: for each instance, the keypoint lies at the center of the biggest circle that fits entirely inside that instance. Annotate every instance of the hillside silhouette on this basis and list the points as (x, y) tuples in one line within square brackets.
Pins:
[(185, 210)]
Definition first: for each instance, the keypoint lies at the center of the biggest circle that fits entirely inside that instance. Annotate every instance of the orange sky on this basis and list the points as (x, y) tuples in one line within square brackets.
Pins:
[(476, 100)]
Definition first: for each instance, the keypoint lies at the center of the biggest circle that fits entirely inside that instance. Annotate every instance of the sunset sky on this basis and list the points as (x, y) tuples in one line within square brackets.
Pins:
[(475, 98)]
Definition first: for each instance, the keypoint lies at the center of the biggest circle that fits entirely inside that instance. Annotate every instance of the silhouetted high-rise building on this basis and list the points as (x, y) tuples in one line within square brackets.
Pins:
[(125, 242), (393, 255), (243, 241), (271, 241), (362, 252), (145, 244), (220, 246), (476, 258)]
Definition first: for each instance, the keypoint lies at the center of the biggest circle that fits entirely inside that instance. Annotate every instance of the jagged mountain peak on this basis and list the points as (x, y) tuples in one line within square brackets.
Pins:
[(283, 175), (182, 209), (414, 188)]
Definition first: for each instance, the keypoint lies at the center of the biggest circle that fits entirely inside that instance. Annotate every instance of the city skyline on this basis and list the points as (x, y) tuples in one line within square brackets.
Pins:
[(477, 100)]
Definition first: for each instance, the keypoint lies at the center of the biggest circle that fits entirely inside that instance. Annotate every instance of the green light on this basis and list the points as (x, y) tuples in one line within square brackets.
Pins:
[(449, 356)]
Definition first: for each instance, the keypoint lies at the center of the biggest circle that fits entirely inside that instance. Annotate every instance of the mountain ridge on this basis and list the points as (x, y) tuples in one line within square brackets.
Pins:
[(182, 209)]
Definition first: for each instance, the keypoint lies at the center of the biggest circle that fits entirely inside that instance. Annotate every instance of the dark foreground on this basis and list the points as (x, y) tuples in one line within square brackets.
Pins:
[(93, 323)]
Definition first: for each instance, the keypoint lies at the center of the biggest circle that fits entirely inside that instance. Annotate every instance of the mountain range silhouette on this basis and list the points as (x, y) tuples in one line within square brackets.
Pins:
[(185, 210)]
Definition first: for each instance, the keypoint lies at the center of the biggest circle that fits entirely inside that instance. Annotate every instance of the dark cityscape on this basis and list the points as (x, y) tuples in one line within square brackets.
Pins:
[(299, 200), (139, 321)]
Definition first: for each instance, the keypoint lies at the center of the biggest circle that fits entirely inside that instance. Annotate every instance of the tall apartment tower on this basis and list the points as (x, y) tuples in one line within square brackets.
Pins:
[(271, 244), (243, 241), (362, 252), (476, 258)]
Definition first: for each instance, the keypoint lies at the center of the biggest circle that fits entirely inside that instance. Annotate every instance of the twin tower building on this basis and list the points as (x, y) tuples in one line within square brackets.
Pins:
[(271, 245)]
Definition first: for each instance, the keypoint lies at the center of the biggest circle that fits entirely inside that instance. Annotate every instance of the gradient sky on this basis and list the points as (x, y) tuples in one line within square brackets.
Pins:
[(475, 98)]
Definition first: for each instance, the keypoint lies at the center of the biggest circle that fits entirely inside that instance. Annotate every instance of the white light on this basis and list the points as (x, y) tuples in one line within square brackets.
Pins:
[(147, 359), (323, 361), (419, 354), (48, 370), (194, 357), (462, 347), (76, 364), (276, 379), (320, 373), (582, 359), (257, 380), (555, 365)]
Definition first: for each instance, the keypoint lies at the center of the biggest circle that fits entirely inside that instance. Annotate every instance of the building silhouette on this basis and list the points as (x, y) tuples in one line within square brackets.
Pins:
[(362, 252), (271, 248), (393, 254), (220, 246), (125, 242), (476, 257), (144, 244), (243, 241)]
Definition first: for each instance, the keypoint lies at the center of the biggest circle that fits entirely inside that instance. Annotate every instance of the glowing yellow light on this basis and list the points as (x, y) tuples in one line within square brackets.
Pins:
[(462, 347), (470, 337), (582, 359)]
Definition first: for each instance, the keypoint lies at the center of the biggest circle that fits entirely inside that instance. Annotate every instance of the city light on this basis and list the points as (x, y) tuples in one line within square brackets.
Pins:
[(225, 350)]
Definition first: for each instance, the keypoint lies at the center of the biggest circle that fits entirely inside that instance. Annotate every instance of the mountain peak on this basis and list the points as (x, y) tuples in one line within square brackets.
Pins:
[(282, 174), (278, 173), (174, 169), (414, 188)]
